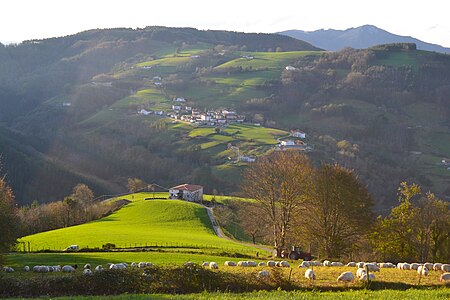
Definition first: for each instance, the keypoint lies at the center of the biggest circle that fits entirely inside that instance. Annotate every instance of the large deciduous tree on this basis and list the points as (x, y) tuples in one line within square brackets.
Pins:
[(135, 184), (338, 211), (9, 227), (279, 183)]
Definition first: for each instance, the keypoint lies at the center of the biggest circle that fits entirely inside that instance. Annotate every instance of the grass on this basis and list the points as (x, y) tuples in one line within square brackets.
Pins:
[(149, 98), (140, 223)]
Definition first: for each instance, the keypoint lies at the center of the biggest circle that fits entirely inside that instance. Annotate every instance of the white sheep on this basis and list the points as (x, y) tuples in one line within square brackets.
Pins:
[(98, 268), (315, 263), (445, 267), (134, 265), (364, 277), (55, 268), (351, 264), (121, 266), (309, 274), (422, 270), (8, 269), (44, 269), (372, 267), (263, 273), (346, 277), (326, 263), (360, 272), (189, 264), (87, 266), (230, 263), (271, 263), (261, 264), (360, 264), (284, 264), (437, 266), (68, 269), (26, 269), (445, 277), (386, 265), (414, 266), (251, 263), (149, 264), (141, 265), (87, 272), (113, 267), (213, 265), (205, 264), (406, 266), (336, 264), (429, 266), (305, 264)]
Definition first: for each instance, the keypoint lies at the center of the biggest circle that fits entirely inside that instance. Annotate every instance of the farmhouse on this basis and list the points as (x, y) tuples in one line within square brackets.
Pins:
[(298, 134), (188, 192), (290, 68)]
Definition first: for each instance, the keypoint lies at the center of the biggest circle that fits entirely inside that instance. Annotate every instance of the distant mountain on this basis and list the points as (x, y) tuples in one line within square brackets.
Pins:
[(359, 38)]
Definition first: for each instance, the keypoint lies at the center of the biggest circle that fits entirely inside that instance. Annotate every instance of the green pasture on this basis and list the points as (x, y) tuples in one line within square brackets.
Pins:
[(149, 98), (253, 78), (402, 58), (171, 223)]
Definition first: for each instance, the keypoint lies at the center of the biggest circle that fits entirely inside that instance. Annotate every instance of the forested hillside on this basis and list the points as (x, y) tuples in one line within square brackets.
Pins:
[(68, 110)]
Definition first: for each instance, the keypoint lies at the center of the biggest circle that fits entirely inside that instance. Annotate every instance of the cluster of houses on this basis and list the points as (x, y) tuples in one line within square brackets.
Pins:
[(446, 163), (294, 142)]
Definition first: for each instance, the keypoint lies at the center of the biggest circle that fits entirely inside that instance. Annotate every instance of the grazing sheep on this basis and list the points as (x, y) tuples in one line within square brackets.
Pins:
[(360, 264), (429, 266), (55, 269), (315, 263), (263, 273), (242, 263), (134, 265), (386, 265), (351, 264), (414, 266), (364, 277), (284, 264), (372, 267), (422, 270), (121, 266), (189, 264), (87, 266), (213, 265), (108, 265), (326, 263), (230, 263), (445, 267), (346, 277), (360, 272), (261, 264), (437, 266), (406, 266), (98, 268), (26, 269), (68, 269), (251, 263), (8, 269), (148, 264), (310, 274), (87, 272), (445, 277), (305, 264), (113, 267), (271, 263), (336, 264), (45, 269), (205, 264)]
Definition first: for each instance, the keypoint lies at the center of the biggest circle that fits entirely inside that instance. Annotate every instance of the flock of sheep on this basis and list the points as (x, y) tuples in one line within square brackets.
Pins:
[(363, 272)]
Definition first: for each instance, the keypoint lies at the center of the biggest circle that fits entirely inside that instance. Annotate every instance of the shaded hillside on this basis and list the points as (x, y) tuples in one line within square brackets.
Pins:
[(359, 38)]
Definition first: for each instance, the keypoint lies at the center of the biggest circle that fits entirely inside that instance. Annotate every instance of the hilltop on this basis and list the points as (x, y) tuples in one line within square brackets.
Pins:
[(359, 38), (71, 105)]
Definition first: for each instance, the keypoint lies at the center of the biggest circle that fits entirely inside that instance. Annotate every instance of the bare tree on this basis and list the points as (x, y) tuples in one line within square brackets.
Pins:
[(8, 219), (136, 184), (278, 183)]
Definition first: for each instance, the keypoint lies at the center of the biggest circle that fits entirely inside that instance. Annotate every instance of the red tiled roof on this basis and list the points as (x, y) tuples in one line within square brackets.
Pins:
[(187, 187)]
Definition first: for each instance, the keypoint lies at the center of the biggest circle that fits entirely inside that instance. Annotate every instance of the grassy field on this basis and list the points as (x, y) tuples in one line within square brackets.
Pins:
[(142, 222)]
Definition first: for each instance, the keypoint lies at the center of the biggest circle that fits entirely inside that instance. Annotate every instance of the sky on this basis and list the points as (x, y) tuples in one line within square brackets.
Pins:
[(36, 19)]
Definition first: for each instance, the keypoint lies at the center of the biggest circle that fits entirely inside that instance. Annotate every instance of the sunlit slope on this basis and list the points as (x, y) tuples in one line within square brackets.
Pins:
[(141, 222)]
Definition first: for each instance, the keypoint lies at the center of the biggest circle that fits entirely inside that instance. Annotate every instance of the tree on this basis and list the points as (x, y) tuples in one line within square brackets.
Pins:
[(338, 211), (9, 227), (82, 193), (278, 183), (135, 184)]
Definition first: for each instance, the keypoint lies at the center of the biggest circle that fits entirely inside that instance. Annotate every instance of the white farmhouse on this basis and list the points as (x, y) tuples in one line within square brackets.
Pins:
[(144, 112), (287, 143), (188, 192), (176, 107), (298, 134), (290, 68)]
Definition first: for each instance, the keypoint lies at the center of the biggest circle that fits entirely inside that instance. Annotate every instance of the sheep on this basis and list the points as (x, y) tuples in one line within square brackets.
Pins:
[(422, 270), (437, 266), (360, 264), (406, 266), (400, 266), (326, 263), (364, 277), (108, 265), (213, 265), (284, 264), (8, 269), (305, 264), (205, 264), (98, 268), (242, 264), (336, 264), (445, 267), (55, 269), (251, 263), (445, 277), (386, 265), (87, 266), (113, 267), (315, 263), (26, 269), (429, 266), (68, 269), (372, 267), (346, 277), (230, 263), (263, 273), (141, 265), (87, 272), (360, 272), (261, 264), (309, 274), (149, 264), (414, 266), (271, 263), (189, 264), (41, 269), (121, 266), (351, 264), (134, 265)]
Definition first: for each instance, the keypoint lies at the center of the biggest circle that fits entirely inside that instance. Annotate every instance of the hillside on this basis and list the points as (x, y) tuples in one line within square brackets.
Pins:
[(359, 38), (167, 223), (382, 111)]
